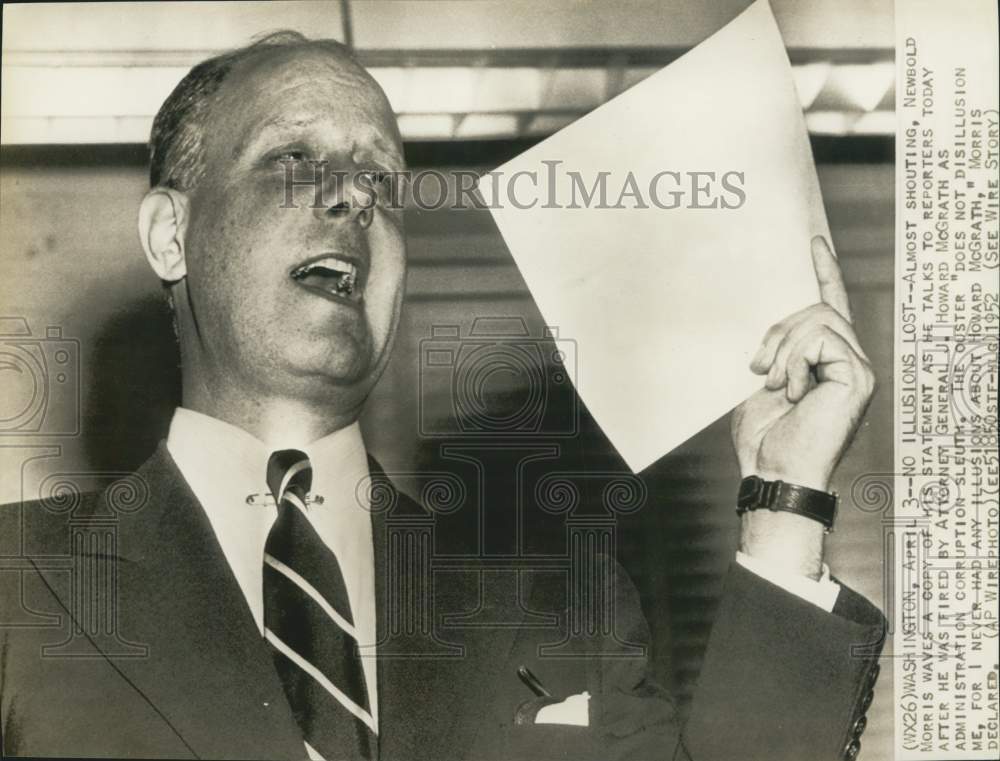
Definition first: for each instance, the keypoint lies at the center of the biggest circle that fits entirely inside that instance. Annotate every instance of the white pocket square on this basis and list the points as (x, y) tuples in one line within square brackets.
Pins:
[(574, 711)]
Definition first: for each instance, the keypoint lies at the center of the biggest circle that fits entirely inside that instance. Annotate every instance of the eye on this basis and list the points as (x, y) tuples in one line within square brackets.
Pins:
[(378, 178), (380, 183), (288, 154)]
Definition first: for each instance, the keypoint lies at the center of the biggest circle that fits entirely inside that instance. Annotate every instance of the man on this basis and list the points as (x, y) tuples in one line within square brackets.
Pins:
[(246, 628)]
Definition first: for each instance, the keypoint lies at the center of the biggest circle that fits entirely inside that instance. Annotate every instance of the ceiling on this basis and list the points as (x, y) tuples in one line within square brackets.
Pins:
[(453, 70)]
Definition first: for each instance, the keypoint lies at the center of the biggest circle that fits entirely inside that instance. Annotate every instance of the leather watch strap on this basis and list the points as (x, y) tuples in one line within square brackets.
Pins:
[(756, 493)]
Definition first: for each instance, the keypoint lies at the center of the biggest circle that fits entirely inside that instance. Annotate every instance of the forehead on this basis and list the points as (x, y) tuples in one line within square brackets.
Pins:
[(306, 92)]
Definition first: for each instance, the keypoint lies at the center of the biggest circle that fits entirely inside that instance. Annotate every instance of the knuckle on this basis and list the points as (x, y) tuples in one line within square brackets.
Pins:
[(815, 311), (843, 322), (868, 380), (838, 322), (825, 318), (827, 310), (824, 331)]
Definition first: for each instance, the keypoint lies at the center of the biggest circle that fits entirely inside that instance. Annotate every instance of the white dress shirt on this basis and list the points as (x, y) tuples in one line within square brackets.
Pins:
[(822, 592), (224, 464)]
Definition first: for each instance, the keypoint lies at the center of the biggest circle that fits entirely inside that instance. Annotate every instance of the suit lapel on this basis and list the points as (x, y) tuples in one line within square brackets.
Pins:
[(429, 687), (208, 672)]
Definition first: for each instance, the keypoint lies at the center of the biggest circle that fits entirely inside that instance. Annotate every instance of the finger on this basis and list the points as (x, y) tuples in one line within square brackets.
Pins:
[(824, 316), (776, 373), (831, 282), (776, 377), (800, 379), (797, 363), (768, 348), (832, 357), (775, 338), (834, 361), (791, 369)]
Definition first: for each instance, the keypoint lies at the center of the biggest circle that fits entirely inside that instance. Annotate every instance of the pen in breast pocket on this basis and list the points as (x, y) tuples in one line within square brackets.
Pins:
[(532, 683)]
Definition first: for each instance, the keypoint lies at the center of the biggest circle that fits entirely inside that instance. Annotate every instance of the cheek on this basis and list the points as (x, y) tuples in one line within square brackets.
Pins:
[(385, 285), (233, 236), (230, 269), (214, 274)]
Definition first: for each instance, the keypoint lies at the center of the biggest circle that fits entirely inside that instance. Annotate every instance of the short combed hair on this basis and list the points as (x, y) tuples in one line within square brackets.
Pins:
[(176, 142)]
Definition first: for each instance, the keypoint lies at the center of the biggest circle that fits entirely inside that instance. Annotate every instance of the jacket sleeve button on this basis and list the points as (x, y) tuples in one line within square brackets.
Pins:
[(859, 726), (851, 751), (867, 701), (873, 675)]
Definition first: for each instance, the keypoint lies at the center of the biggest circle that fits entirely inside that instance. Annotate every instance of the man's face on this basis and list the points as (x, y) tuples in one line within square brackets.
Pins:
[(270, 301)]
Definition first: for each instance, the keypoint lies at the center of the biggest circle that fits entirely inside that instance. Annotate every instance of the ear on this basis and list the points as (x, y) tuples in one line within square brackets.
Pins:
[(163, 217)]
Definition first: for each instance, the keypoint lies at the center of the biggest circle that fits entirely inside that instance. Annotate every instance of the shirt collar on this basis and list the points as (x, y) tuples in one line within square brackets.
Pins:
[(212, 452), (224, 465)]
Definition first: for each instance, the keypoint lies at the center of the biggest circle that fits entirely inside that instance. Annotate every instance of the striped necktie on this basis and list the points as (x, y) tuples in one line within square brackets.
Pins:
[(308, 623)]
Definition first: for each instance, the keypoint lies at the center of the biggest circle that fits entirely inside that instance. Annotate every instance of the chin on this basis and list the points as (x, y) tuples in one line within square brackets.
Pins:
[(329, 388), (326, 367), (336, 370)]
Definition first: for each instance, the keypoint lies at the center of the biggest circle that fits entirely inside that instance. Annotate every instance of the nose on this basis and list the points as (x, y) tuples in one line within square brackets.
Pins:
[(345, 211), (348, 205)]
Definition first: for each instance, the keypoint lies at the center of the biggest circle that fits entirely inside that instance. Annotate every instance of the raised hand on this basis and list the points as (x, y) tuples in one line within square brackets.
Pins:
[(819, 383)]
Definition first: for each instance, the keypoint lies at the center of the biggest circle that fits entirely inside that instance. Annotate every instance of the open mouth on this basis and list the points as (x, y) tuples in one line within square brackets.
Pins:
[(333, 275)]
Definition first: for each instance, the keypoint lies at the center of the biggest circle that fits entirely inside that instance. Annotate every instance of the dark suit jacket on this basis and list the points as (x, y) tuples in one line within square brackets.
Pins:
[(148, 649)]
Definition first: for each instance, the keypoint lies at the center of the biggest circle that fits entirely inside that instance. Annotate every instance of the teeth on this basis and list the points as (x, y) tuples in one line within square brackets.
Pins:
[(345, 285), (329, 262), (342, 273)]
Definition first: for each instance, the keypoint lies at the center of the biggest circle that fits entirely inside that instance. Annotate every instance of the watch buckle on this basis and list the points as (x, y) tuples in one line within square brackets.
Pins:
[(836, 509)]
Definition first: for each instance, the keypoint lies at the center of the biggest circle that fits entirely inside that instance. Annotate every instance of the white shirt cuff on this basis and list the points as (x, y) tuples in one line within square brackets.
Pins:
[(822, 593)]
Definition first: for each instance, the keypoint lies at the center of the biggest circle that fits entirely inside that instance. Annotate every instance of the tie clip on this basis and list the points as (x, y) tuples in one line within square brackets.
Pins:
[(267, 500)]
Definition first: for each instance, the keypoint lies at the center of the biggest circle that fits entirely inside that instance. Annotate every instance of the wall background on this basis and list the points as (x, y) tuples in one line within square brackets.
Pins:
[(70, 259)]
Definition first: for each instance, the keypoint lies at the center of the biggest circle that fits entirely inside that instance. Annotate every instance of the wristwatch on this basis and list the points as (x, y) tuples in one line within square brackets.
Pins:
[(756, 493)]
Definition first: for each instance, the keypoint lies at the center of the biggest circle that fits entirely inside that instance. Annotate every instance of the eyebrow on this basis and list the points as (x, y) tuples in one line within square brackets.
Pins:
[(383, 150), (260, 134)]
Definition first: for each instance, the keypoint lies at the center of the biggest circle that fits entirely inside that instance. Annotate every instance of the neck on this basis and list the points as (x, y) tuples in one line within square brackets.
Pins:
[(272, 417), (276, 421)]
